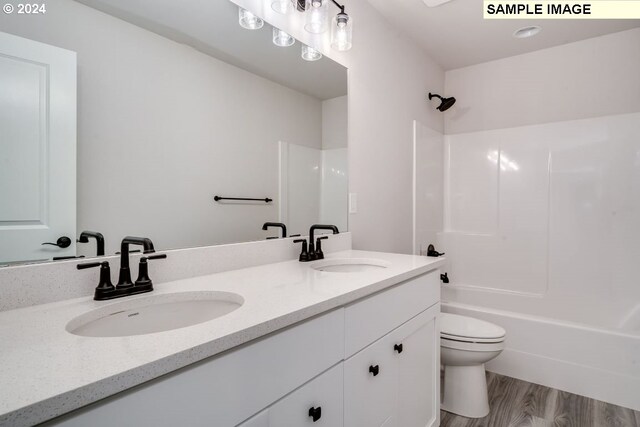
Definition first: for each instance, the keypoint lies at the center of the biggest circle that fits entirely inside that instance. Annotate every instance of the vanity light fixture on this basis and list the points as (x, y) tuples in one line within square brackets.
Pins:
[(317, 20), (248, 20), (310, 54), (281, 38)]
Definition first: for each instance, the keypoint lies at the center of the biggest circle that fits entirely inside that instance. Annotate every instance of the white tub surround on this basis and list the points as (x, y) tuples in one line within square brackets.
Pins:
[(47, 371)]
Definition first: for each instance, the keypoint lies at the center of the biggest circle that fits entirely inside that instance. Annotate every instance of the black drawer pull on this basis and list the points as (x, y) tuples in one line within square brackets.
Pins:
[(315, 413), (398, 348), (375, 370)]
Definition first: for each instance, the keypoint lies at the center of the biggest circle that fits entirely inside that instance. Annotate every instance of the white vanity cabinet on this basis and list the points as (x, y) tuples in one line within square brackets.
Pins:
[(393, 380), (372, 363)]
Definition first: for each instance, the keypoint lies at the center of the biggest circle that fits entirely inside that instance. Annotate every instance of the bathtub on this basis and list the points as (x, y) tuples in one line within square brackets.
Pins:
[(600, 363)]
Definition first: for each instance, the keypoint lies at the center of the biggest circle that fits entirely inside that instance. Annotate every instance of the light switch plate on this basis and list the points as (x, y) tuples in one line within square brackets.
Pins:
[(353, 203)]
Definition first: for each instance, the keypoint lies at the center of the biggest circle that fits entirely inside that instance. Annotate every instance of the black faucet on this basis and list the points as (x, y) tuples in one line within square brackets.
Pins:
[(84, 238), (276, 224), (124, 279), (313, 253), (106, 290)]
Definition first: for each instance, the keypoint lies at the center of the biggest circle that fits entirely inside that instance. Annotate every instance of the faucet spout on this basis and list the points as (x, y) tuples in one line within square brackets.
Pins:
[(312, 250), (84, 238), (124, 279), (276, 224)]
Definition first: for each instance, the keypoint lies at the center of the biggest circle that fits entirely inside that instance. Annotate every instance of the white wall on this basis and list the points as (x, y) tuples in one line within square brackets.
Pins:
[(300, 181), (389, 77), (590, 78), (335, 115), (334, 188), (162, 128), (543, 190)]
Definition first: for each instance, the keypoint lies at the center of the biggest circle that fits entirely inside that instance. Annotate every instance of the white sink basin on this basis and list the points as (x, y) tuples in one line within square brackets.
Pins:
[(349, 265), (154, 313)]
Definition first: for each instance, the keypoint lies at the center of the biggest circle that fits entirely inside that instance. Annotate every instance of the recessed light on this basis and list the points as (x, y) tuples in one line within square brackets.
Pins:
[(525, 32), (435, 3)]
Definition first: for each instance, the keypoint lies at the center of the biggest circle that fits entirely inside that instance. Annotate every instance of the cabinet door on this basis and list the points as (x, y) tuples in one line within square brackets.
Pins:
[(317, 403), (370, 398), (418, 370), (260, 420)]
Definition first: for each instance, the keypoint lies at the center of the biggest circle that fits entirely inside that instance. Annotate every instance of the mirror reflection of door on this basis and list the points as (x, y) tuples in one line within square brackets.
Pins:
[(37, 150)]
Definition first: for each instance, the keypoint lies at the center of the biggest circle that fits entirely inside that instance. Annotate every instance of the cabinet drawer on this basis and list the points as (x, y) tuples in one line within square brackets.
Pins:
[(225, 390), (322, 397), (375, 316)]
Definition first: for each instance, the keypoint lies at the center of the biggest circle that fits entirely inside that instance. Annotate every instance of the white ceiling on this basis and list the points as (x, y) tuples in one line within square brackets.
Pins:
[(211, 26), (455, 34)]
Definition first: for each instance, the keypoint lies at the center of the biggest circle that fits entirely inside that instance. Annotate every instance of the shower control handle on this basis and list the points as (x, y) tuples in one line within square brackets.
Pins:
[(399, 348), (375, 370)]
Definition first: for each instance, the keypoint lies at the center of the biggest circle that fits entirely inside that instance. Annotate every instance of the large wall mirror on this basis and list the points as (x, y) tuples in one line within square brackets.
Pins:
[(127, 117)]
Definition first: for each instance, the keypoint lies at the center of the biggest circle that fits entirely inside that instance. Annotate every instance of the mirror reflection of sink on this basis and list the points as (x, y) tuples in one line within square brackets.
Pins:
[(349, 265), (155, 313)]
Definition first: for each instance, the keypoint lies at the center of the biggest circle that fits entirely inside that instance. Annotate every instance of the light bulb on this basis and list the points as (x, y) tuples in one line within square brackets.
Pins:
[(248, 20), (282, 39), (316, 16), (310, 54), (342, 32)]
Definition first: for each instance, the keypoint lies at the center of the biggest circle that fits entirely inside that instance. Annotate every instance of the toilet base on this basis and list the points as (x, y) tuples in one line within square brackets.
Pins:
[(465, 391)]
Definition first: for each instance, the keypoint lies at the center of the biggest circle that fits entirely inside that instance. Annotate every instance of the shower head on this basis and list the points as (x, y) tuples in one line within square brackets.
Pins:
[(445, 103)]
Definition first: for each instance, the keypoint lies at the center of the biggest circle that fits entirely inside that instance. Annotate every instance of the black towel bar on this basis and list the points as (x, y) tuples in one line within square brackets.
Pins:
[(266, 199)]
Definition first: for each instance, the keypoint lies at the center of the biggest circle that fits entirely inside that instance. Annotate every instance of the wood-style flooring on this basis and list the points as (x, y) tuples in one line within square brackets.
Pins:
[(516, 403)]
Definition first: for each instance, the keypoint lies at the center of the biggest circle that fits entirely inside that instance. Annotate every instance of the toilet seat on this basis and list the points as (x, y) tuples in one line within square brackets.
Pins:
[(471, 340), (465, 329), (472, 346)]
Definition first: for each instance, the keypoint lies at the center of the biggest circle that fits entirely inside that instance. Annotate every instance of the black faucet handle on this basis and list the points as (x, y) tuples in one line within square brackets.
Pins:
[(304, 255), (89, 265), (105, 287), (318, 254), (143, 270), (152, 257)]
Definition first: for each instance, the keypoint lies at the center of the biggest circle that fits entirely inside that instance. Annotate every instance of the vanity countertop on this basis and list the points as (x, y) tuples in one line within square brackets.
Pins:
[(46, 371)]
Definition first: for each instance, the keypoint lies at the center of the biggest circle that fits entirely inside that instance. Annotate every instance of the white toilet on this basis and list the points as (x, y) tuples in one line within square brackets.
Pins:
[(466, 344)]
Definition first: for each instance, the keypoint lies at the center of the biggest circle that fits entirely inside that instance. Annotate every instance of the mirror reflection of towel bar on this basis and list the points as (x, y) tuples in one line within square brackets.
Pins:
[(266, 199)]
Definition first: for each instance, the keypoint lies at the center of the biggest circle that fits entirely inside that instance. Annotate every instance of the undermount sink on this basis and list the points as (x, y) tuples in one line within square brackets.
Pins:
[(154, 313), (349, 265)]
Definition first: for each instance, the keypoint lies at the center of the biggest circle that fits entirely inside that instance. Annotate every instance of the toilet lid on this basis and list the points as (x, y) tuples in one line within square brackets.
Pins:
[(463, 328)]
